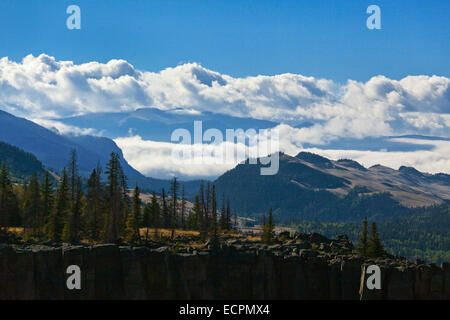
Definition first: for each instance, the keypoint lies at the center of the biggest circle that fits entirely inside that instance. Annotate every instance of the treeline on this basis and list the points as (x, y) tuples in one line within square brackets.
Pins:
[(420, 233), (103, 210)]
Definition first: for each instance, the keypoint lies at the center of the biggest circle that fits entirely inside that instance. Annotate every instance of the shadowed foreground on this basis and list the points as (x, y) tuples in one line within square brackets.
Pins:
[(239, 269)]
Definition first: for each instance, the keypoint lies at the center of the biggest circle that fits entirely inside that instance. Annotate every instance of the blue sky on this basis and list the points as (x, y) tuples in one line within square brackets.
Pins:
[(326, 39)]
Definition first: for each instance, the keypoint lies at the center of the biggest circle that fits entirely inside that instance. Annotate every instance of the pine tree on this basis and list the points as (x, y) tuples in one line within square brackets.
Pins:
[(125, 201), (146, 220), (165, 209), (60, 210), (223, 213), (201, 213), (214, 238), (174, 204), (206, 212), (268, 231), (156, 213), (363, 239), (228, 216), (146, 216), (32, 209), (183, 208), (94, 205), (133, 220), (116, 200), (47, 200), (72, 227), (9, 208), (193, 219), (374, 248)]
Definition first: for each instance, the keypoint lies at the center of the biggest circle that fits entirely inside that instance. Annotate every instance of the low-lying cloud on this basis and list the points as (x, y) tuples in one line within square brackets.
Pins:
[(42, 87), (45, 89), (155, 159)]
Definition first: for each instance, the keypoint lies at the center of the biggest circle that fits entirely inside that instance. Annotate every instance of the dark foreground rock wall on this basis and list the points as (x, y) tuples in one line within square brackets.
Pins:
[(234, 272)]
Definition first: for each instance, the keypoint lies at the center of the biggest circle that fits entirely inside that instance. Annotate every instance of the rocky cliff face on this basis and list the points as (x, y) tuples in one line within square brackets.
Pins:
[(238, 270)]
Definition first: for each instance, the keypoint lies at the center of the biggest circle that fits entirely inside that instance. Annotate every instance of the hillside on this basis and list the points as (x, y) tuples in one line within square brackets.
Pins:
[(312, 187), (53, 150), (21, 165), (420, 233)]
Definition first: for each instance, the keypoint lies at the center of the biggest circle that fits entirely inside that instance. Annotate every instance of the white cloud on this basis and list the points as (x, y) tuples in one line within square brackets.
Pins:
[(190, 160), (65, 129), (155, 158), (42, 87), (432, 161)]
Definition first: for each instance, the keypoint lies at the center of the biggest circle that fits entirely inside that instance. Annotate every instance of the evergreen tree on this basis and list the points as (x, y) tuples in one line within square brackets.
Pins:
[(156, 213), (268, 231), (47, 200), (194, 214), (146, 219), (206, 212), (165, 210), (126, 201), (374, 248), (94, 205), (72, 227), (223, 213), (201, 212), (228, 216), (363, 239), (32, 209), (9, 208), (133, 220), (114, 198), (214, 238), (174, 204), (60, 210), (146, 216), (183, 208)]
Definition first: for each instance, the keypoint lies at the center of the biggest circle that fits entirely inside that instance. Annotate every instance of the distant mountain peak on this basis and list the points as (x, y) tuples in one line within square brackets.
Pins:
[(314, 187), (410, 171), (315, 159), (351, 164)]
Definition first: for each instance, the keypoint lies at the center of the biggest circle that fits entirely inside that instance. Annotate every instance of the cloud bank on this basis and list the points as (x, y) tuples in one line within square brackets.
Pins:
[(45, 89), (42, 87), (155, 159)]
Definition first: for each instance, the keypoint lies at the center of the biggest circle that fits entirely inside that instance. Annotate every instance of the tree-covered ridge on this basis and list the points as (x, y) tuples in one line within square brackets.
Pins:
[(21, 165), (420, 233), (103, 211)]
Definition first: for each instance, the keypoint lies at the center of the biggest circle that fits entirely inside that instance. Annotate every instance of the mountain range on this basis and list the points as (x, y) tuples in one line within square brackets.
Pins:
[(157, 125), (307, 186)]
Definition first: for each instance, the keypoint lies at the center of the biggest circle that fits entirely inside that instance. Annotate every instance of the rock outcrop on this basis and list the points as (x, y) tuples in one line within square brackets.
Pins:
[(239, 269)]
